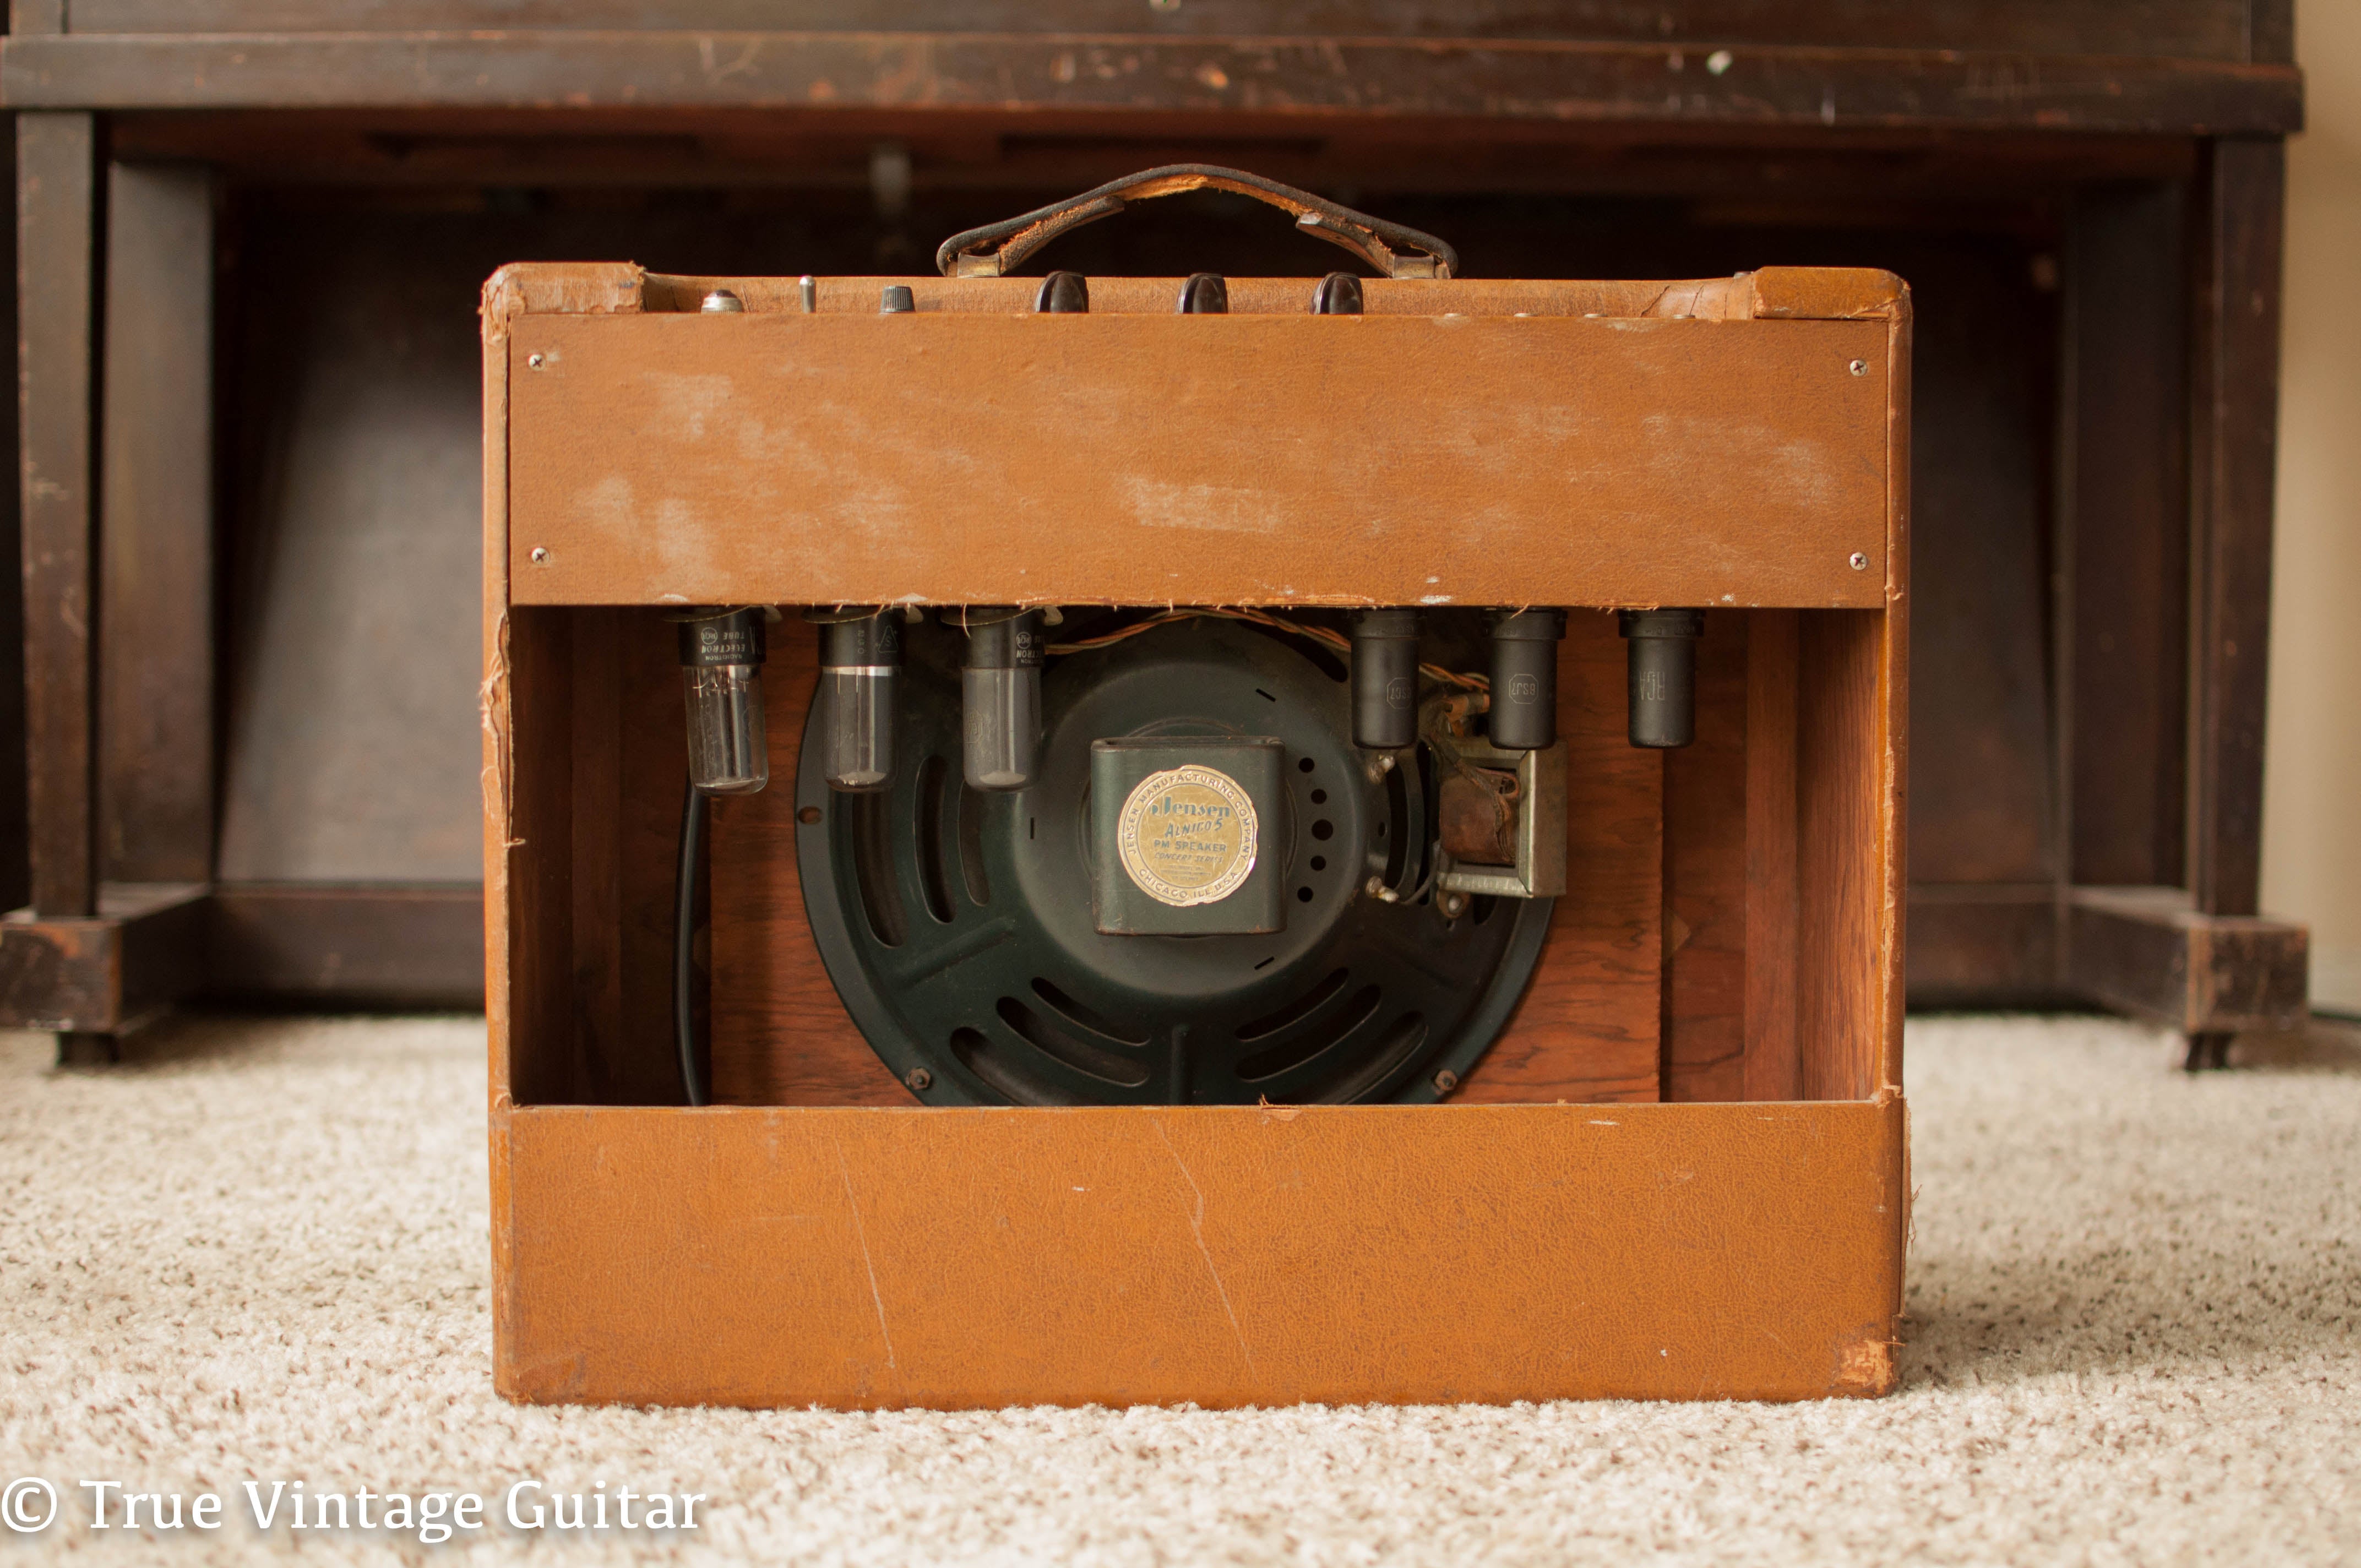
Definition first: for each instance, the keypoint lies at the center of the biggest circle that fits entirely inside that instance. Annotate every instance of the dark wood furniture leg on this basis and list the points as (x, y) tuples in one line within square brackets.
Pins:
[(56, 231), (2200, 959), (56, 228), (118, 663), (2236, 397)]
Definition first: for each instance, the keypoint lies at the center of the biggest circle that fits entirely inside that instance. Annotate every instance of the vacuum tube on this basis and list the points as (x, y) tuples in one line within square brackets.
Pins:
[(859, 659), (1000, 691), (1525, 679), (721, 667), (1662, 674), (1385, 679)]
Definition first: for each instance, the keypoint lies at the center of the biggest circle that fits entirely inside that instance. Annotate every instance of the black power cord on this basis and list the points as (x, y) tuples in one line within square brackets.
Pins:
[(692, 813)]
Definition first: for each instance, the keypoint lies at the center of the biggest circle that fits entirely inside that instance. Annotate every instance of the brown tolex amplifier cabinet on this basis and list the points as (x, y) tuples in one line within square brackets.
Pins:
[(1679, 1171)]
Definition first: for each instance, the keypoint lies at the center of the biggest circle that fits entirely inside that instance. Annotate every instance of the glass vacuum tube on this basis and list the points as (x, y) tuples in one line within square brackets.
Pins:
[(721, 667), (1001, 697), (860, 657)]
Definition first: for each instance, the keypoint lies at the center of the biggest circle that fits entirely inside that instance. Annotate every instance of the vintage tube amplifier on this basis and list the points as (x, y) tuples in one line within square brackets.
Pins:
[(1070, 839)]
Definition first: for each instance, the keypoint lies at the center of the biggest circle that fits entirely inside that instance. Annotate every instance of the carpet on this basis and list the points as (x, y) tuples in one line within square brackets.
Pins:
[(256, 1252)]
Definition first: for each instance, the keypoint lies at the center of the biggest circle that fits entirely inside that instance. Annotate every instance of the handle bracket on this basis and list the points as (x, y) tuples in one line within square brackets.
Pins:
[(1395, 251)]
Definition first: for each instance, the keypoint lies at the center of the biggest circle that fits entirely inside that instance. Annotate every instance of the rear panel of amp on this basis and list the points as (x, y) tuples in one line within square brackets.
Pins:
[(1711, 946), (1731, 937)]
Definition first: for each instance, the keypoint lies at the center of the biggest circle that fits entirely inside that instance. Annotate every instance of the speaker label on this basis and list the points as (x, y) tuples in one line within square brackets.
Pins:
[(1188, 836)]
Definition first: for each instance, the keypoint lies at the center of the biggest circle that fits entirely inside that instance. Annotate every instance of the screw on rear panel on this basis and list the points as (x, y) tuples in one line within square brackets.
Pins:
[(1858, 367), (920, 1080), (534, 360), (540, 555), (1446, 1081), (1861, 561)]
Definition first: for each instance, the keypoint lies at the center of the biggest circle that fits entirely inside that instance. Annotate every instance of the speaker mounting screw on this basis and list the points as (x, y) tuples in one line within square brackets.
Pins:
[(920, 1080), (1446, 1081)]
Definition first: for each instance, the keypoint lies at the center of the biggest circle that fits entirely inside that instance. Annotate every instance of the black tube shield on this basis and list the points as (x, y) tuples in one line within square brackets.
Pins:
[(1525, 679), (1385, 679), (861, 641), (729, 637), (1662, 646)]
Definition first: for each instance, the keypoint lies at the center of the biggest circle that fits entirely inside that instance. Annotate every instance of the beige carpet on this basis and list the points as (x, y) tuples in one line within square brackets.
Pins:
[(257, 1251)]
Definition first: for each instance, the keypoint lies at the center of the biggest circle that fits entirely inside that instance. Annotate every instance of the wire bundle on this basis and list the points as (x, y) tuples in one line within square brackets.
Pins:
[(1335, 642)]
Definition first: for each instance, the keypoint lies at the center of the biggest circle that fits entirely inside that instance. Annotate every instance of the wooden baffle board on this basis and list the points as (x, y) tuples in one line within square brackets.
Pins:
[(1679, 1172)]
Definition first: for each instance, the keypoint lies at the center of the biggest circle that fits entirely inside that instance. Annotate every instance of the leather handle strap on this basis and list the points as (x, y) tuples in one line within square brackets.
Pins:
[(999, 249)]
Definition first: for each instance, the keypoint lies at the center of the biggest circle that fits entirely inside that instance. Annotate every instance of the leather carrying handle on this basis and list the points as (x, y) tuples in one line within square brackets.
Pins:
[(997, 249)]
